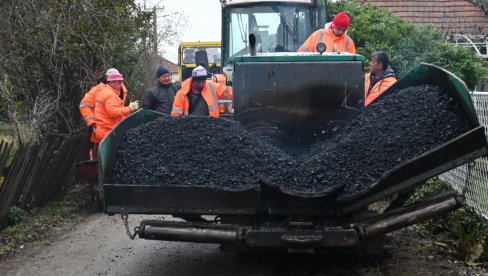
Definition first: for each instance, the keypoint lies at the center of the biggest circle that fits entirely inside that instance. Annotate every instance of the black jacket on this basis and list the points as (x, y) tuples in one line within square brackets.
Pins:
[(160, 97)]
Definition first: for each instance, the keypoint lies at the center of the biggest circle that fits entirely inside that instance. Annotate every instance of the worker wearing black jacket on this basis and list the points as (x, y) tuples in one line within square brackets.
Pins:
[(161, 96)]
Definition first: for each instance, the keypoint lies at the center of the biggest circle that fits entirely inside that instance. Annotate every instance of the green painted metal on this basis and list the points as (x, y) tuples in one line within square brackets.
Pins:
[(425, 73), (107, 152), (159, 199), (287, 57)]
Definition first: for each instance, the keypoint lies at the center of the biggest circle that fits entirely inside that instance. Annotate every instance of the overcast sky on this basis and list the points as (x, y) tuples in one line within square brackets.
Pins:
[(203, 22)]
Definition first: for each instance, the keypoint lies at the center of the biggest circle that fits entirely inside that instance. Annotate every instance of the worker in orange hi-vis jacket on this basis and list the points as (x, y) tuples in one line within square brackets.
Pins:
[(87, 104), (333, 35), (109, 106), (379, 78), (199, 97)]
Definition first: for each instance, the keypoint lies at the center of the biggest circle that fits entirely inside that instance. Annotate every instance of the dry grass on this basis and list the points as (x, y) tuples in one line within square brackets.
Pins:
[(6, 132), (6, 138), (6, 135)]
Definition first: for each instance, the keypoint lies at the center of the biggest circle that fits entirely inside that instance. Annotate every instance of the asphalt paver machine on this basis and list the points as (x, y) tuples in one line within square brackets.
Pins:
[(306, 97)]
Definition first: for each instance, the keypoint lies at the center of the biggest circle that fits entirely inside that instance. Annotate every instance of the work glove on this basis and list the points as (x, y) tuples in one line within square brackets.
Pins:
[(133, 106)]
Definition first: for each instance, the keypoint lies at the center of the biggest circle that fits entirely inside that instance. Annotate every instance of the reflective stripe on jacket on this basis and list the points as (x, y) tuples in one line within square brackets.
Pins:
[(373, 90), (332, 42), (109, 110), (212, 92), (87, 105)]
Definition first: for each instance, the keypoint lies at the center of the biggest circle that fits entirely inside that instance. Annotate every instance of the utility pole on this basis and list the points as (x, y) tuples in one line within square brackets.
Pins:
[(155, 29), (154, 11)]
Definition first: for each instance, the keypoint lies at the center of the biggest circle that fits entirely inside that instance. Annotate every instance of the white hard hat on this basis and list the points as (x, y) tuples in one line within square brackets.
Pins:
[(112, 71), (199, 73)]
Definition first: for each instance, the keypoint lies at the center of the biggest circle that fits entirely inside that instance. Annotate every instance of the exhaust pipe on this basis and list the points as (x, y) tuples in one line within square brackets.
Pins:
[(189, 233), (252, 44), (395, 221)]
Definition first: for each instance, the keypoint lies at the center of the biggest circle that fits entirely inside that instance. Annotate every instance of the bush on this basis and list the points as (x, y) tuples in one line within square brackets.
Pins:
[(376, 29), (466, 224), (463, 228), (49, 60), (14, 215), (431, 187)]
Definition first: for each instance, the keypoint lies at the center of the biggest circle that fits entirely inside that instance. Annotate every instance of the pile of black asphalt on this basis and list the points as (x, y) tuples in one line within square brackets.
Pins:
[(220, 153), (389, 132), (196, 151)]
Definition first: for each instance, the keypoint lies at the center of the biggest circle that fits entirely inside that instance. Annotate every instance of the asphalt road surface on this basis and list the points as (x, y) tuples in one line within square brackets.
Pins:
[(99, 245)]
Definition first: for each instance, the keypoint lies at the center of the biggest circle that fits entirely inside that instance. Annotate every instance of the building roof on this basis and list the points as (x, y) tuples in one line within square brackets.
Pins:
[(451, 16), (173, 68)]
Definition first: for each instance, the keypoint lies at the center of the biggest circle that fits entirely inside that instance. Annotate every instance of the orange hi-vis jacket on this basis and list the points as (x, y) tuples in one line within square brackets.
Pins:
[(332, 42), (87, 104), (109, 110), (380, 86), (212, 92)]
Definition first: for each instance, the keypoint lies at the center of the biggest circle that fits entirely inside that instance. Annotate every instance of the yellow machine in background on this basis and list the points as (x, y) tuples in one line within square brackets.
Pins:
[(208, 54), (186, 57)]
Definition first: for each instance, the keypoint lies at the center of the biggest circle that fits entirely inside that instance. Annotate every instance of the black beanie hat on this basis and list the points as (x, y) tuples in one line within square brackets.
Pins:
[(161, 71)]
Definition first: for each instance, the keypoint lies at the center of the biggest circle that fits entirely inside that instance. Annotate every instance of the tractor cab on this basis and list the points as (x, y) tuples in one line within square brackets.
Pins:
[(278, 26)]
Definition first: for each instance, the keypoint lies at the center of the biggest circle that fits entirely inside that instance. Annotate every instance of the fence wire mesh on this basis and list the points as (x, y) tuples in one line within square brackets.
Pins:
[(472, 179)]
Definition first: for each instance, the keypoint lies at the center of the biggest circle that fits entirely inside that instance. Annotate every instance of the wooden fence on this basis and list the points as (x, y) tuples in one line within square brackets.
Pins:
[(5, 149), (38, 171)]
